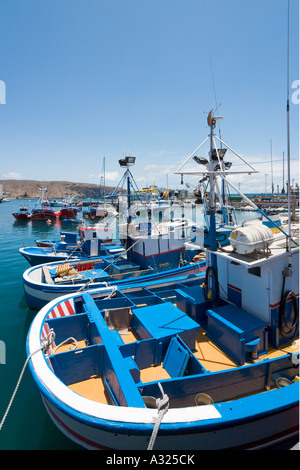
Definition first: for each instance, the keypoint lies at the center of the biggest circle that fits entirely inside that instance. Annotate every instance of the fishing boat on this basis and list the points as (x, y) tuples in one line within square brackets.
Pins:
[(228, 220), (143, 256), (148, 250), (42, 209), (71, 245), (97, 212), (185, 363), (67, 211)]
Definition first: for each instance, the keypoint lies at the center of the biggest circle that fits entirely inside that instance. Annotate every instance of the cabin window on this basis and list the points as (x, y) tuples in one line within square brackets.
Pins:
[(94, 235), (255, 271)]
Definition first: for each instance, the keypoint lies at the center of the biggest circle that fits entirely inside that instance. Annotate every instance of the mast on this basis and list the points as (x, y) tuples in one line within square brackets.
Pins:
[(212, 181), (272, 167), (283, 190), (288, 128), (126, 163), (102, 177)]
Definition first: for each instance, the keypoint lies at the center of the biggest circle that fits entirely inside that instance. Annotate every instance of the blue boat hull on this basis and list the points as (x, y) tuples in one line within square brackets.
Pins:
[(257, 421), (39, 294)]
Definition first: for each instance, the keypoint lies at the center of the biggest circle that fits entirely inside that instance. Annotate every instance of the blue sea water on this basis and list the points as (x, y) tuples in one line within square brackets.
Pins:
[(27, 425)]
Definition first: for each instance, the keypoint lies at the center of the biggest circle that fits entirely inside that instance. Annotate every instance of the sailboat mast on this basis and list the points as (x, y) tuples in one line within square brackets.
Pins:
[(288, 128), (283, 188), (272, 167)]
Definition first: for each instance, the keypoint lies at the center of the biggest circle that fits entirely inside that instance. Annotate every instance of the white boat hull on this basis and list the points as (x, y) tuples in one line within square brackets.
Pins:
[(258, 434)]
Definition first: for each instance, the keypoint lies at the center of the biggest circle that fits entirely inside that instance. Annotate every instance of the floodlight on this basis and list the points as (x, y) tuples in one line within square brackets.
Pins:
[(200, 160), (127, 161), (221, 153)]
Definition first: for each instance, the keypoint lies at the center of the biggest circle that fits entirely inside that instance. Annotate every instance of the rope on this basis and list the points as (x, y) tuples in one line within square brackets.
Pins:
[(86, 286), (162, 406), (76, 248), (46, 342), (66, 341)]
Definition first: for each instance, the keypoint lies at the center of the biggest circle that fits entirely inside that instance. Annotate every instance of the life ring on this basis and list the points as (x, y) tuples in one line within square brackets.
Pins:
[(211, 277)]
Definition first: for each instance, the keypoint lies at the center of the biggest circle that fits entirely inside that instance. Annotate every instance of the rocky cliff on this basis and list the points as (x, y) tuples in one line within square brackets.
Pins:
[(29, 189)]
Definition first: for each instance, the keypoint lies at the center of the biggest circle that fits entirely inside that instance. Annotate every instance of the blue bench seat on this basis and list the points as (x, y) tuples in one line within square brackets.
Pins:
[(237, 332)]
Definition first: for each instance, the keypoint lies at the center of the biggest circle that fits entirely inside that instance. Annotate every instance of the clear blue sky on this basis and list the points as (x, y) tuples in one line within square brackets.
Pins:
[(92, 78)]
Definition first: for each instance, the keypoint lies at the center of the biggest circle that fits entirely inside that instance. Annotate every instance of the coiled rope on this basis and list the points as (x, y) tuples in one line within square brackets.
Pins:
[(46, 342), (162, 407)]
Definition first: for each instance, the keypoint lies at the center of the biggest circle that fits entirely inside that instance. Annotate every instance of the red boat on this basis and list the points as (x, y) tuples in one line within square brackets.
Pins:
[(22, 213), (43, 213), (42, 210), (67, 213)]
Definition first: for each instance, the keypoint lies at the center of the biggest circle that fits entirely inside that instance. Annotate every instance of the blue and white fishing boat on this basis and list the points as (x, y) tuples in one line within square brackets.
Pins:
[(149, 250), (182, 363), (72, 245), (146, 256)]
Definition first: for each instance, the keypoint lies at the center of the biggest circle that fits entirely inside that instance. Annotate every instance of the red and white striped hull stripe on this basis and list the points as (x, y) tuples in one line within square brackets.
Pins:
[(62, 310)]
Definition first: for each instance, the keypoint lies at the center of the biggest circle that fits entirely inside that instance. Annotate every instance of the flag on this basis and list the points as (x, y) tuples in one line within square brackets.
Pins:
[(210, 118)]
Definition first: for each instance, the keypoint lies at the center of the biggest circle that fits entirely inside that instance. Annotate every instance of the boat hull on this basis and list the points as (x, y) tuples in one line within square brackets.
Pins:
[(35, 258), (39, 294), (255, 421), (42, 214), (21, 216), (254, 433), (67, 213)]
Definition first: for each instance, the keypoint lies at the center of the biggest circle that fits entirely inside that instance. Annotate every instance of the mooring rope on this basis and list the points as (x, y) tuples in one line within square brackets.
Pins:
[(46, 342), (162, 407)]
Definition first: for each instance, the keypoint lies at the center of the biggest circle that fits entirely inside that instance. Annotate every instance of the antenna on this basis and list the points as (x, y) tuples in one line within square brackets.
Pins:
[(272, 167), (214, 88), (283, 190), (288, 126)]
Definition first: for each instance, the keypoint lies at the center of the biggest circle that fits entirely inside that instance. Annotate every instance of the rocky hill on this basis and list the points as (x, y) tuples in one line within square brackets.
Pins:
[(29, 189)]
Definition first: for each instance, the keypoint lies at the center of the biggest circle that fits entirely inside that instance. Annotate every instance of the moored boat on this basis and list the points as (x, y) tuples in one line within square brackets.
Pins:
[(71, 245), (145, 256), (148, 249), (22, 213), (42, 209)]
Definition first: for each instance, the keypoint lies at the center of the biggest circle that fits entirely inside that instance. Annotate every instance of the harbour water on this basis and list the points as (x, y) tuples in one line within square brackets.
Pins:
[(27, 425)]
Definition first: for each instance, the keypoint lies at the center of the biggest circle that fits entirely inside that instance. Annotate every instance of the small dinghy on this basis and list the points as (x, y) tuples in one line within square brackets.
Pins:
[(71, 245)]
